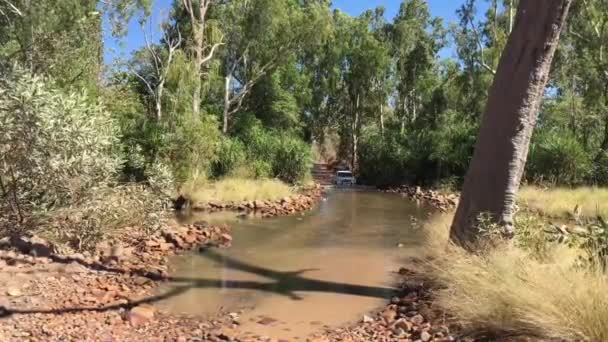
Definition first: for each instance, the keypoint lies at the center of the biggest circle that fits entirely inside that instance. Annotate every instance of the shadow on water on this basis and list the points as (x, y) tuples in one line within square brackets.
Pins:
[(331, 265), (341, 256), (283, 283)]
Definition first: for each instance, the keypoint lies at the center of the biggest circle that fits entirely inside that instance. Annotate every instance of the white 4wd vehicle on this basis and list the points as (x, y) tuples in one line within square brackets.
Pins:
[(345, 178)]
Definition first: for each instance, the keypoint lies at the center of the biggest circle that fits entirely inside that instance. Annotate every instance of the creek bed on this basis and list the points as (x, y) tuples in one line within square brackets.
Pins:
[(287, 277)]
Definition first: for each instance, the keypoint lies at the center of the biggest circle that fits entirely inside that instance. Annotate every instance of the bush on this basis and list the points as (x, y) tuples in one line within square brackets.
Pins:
[(558, 158), (102, 215), (600, 169), (54, 148), (230, 156), (417, 155), (384, 160), (293, 159), (453, 144), (273, 154), (190, 146)]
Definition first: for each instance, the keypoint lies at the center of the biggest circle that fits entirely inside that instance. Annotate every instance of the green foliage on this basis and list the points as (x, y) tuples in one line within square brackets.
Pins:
[(54, 148), (293, 159), (103, 214), (56, 38), (600, 168), (558, 158), (383, 160), (191, 146), (453, 144), (416, 156), (271, 153), (231, 155)]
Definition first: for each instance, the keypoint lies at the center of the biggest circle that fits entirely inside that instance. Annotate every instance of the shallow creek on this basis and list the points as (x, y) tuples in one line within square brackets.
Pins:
[(288, 277)]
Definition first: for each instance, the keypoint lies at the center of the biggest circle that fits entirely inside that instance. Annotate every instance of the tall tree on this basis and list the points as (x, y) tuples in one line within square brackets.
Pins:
[(500, 155), (203, 48)]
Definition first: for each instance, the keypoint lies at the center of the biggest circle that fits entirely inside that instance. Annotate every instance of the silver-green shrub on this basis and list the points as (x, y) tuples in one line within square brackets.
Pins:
[(55, 148)]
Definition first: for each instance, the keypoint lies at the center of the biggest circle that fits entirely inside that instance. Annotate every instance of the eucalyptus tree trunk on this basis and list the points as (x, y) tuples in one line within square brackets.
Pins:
[(495, 172), (226, 103), (382, 119), (355, 137)]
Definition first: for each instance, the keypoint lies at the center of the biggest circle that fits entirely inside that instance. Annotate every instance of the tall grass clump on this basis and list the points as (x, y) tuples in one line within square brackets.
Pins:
[(561, 202), (236, 190), (514, 289)]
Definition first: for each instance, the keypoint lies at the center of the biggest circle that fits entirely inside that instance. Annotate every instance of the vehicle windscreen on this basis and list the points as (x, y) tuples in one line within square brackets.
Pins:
[(345, 174)]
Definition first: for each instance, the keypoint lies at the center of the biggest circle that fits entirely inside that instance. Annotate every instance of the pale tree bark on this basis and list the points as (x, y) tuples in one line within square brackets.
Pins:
[(234, 96), (495, 172), (482, 58), (511, 15), (161, 69), (12, 8), (382, 119), (355, 135), (203, 51)]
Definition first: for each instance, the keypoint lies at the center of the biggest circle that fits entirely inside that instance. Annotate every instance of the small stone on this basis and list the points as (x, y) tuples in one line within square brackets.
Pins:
[(267, 321), (367, 319), (389, 315), (226, 237), (417, 319), (399, 332), (227, 334), (403, 324), (140, 315), (14, 292), (425, 336)]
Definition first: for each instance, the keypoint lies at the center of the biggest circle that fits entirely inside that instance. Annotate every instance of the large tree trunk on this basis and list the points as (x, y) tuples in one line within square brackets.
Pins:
[(495, 172)]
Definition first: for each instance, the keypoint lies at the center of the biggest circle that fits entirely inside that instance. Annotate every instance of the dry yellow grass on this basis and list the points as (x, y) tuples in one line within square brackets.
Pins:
[(560, 202), (508, 292), (236, 190)]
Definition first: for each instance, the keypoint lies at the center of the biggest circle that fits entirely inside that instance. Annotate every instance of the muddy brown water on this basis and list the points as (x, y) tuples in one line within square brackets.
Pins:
[(288, 277)]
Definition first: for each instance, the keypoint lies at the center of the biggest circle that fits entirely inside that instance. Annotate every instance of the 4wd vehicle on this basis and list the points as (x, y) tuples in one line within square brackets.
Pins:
[(345, 178)]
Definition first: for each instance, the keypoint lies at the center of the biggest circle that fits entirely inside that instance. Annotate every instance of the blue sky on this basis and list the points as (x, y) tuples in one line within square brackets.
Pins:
[(122, 48)]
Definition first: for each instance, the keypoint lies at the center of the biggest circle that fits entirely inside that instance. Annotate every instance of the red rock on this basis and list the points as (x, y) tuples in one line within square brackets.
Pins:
[(267, 321), (152, 243), (390, 314), (190, 238), (140, 315), (417, 319), (403, 324), (226, 237)]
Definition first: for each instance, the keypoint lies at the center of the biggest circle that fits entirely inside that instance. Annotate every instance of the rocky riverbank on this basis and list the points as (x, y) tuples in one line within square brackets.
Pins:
[(106, 295), (442, 201), (303, 201), (409, 317)]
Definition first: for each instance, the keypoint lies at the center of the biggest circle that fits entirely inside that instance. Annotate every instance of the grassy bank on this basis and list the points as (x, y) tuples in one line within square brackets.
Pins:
[(528, 287), (236, 190), (560, 202)]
